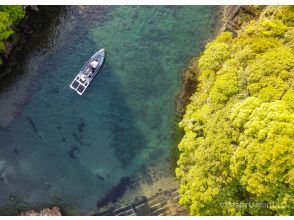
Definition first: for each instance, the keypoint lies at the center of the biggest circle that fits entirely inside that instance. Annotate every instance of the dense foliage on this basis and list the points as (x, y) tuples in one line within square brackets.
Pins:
[(9, 15), (237, 154)]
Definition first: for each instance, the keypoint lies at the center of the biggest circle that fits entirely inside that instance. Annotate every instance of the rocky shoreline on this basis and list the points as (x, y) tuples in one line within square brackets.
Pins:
[(54, 211), (36, 20)]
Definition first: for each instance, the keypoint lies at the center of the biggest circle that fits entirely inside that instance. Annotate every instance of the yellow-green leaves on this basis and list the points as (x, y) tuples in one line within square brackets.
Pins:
[(288, 98), (8, 16), (270, 73), (216, 53), (263, 161), (238, 147), (225, 85), (15, 12), (241, 112), (5, 30)]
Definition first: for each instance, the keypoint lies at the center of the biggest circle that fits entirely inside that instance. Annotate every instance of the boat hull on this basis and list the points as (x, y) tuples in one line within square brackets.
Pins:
[(88, 72)]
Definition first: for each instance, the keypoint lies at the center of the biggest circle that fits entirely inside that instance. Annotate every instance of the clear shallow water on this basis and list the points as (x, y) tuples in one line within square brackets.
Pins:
[(65, 148)]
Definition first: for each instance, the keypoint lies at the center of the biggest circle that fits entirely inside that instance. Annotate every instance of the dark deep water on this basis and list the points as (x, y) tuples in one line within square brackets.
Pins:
[(58, 147)]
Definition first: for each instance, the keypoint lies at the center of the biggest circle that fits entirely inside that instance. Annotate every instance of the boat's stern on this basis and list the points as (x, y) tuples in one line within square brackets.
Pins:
[(78, 86)]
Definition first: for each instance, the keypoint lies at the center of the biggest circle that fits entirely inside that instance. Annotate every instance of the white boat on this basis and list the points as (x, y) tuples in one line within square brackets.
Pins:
[(88, 72)]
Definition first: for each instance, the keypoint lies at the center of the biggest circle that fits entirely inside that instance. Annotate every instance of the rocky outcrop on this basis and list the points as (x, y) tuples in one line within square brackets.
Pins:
[(188, 85), (54, 211), (174, 209)]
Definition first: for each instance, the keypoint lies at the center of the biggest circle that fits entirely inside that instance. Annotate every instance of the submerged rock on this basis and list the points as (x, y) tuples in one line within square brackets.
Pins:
[(54, 211), (73, 151)]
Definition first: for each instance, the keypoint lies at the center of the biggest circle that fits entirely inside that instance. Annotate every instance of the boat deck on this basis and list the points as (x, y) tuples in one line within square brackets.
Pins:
[(78, 86)]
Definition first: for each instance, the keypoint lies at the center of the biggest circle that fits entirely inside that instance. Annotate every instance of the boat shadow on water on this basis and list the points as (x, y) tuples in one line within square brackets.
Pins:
[(127, 139)]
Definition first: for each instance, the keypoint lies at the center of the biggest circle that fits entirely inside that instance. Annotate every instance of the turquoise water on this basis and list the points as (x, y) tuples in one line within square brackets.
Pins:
[(63, 148)]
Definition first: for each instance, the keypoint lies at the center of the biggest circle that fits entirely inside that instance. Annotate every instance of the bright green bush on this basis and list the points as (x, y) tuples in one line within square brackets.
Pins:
[(216, 53)]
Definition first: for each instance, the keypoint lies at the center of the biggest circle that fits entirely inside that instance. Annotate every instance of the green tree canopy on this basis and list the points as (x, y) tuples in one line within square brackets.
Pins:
[(238, 145), (9, 15)]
